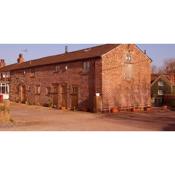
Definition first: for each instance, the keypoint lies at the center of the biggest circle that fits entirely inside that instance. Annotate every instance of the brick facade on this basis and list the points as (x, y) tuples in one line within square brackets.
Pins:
[(106, 76), (47, 77), (117, 90)]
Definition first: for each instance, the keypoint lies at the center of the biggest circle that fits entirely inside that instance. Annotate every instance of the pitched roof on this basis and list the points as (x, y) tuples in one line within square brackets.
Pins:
[(163, 77), (154, 77), (168, 77), (92, 52)]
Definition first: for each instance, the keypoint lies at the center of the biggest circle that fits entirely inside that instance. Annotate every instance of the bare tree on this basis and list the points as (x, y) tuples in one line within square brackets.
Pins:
[(154, 69), (157, 70), (169, 66)]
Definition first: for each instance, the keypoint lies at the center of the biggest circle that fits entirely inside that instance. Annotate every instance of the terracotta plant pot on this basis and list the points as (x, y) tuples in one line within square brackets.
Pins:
[(136, 109), (165, 107), (63, 108), (114, 109), (148, 109)]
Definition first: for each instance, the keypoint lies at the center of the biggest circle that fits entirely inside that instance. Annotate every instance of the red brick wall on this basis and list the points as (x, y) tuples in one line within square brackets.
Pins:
[(45, 77), (106, 77), (116, 90)]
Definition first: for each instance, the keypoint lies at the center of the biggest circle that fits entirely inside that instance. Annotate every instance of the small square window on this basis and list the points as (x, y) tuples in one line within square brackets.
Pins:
[(160, 92), (160, 83), (57, 68), (86, 66), (128, 58), (75, 90), (32, 72)]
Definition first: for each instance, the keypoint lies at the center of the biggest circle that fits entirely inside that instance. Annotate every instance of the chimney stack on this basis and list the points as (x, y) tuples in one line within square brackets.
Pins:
[(2, 63), (66, 49), (145, 52), (20, 58)]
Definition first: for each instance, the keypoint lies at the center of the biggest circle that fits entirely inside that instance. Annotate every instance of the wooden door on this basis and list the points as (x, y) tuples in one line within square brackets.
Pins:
[(55, 96), (64, 96), (74, 98), (22, 93)]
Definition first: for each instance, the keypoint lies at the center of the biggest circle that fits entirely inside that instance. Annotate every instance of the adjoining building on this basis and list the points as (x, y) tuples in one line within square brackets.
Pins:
[(96, 78), (4, 82), (162, 89)]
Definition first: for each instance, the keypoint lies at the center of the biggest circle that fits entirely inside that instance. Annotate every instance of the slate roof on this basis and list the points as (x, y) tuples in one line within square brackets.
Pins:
[(93, 52)]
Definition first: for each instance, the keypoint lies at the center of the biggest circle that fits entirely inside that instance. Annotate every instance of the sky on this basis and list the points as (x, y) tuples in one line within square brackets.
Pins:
[(157, 52)]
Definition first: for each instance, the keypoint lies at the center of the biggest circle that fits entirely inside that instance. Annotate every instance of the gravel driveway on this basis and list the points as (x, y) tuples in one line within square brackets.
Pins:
[(37, 118)]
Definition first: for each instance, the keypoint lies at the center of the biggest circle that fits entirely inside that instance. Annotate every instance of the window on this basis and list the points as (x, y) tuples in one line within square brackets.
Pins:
[(4, 88), (3, 75), (128, 58), (160, 92), (38, 90), (66, 67), (32, 72), (86, 66), (57, 68), (74, 90), (48, 90), (7, 74), (160, 83)]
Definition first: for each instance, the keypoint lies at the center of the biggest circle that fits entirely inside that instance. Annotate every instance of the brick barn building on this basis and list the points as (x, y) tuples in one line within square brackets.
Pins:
[(113, 74)]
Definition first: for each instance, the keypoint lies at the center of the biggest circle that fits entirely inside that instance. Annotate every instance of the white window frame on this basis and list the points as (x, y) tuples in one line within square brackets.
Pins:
[(4, 86), (160, 83), (37, 89), (160, 92)]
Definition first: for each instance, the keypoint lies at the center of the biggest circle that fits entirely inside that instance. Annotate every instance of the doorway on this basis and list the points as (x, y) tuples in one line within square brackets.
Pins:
[(22, 93), (55, 96), (64, 96), (74, 98)]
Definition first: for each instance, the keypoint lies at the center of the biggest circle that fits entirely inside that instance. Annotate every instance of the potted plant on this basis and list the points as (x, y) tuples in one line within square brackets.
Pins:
[(132, 108), (165, 107), (148, 108), (115, 109)]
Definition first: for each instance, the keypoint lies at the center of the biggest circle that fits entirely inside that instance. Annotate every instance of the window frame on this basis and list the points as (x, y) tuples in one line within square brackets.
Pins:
[(57, 68), (32, 72), (48, 91), (160, 83), (160, 90), (86, 66), (37, 89)]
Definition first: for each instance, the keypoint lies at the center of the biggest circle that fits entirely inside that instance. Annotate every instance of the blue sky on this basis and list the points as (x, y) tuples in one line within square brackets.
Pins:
[(158, 52)]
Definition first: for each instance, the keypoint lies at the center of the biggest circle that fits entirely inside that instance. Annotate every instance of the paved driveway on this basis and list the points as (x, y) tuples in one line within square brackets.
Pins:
[(35, 118)]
